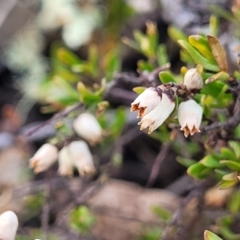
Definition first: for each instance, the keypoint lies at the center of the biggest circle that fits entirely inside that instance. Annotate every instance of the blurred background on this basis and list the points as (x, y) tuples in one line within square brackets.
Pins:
[(46, 48)]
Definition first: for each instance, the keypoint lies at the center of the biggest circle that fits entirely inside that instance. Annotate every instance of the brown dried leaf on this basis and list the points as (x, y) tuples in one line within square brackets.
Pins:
[(218, 53)]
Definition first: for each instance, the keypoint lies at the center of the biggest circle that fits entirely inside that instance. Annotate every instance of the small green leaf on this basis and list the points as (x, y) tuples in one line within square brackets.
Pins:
[(227, 184), (162, 56), (175, 34), (223, 76), (211, 236), (231, 164), (139, 90), (214, 25), (166, 77), (210, 161), (228, 154), (162, 212), (196, 171), (68, 57), (201, 44), (197, 57), (186, 161), (236, 148)]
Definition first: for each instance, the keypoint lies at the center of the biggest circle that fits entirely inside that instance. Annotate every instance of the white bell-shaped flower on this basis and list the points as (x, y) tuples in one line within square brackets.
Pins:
[(159, 114), (190, 117), (87, 127), (44, 158), (8, 225), (65, 162), (81, 157), (193, 80), (146, 102)]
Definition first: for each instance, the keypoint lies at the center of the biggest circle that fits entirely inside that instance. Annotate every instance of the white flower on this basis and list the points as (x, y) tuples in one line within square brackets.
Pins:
[(190, 117), (87, 126), (193, 80), (159, 114), (65, 162), (81, 157), (44, 158), (8, 225), (146, 101)]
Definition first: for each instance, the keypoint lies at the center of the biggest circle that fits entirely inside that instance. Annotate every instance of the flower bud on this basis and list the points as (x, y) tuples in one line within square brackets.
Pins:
[(159, 114), (44, 158), (190, 117), (81, 157), (193, 80), (87, 127), (146, 102), (65, 162), (8, 225)]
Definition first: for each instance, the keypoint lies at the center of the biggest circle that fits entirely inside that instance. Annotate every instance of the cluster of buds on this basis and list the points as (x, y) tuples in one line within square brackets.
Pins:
[(155, 105), (8, 225), (77, 154)]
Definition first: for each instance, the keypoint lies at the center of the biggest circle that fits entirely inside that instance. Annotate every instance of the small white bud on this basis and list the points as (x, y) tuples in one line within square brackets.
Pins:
[(8, 225), (87, 127), (193, 80), (44, 158), (190, 117), (65, 162), (146, 102), (158, 115), (81, 157)]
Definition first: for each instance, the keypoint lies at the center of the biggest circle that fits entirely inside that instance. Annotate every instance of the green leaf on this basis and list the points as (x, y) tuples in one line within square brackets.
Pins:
[(201, 44), (68, 57), (87, 96), (166, 77), (139, 90), (197, 57), (145, 66), (186, 161), (236, 148), (175, 34), (222, 76), (227, 184), (197, 171), (210, 161), (231, 164), (214, 25), (211, 236), (228, 154), (162, 56), (162, 212)]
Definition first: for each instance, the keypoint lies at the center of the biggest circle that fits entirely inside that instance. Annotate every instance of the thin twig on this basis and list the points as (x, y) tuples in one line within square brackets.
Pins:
[(181, 225), (55, 117), (46, 210), (157, 164)]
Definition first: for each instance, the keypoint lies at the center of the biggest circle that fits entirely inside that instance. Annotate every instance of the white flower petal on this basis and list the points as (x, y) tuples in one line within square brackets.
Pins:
[(193, 80), (146, 102), (8, 225), (44, 158), (190, 117), (87, 126), (81, 157), (158, 115), (65, 162)]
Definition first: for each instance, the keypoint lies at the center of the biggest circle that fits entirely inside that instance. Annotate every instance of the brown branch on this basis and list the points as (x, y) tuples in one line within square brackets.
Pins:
[(157, 164), (182, 224), (61, 114)]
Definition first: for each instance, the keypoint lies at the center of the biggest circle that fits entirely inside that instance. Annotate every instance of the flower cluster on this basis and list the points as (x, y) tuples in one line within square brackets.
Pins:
[(77, 154), (155, 105)]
